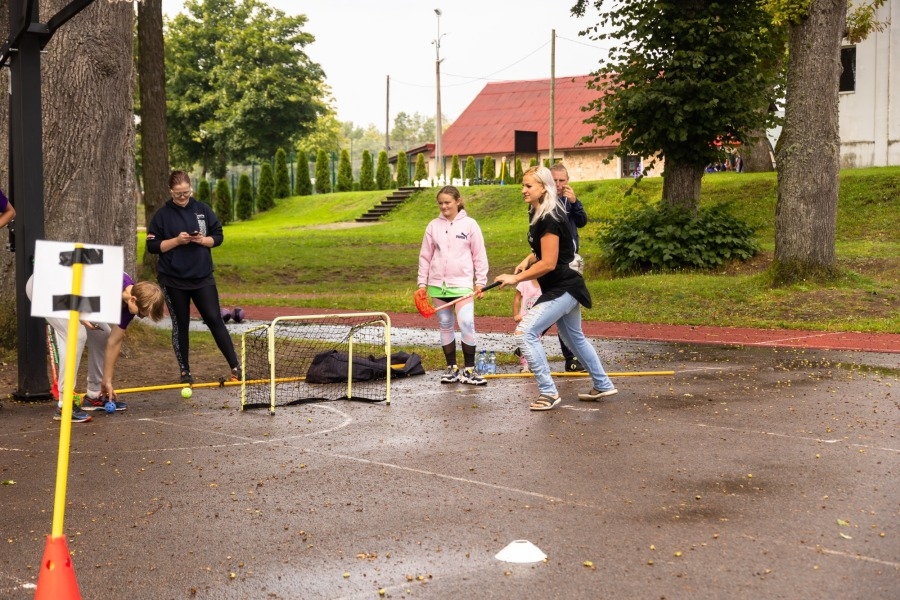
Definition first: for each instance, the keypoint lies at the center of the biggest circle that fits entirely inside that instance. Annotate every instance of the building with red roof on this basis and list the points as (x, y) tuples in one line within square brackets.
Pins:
[(487, 128)]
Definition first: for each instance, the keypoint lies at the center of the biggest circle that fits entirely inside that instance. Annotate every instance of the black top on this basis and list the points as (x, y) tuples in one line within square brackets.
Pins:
[(188, 266), (562, 279)]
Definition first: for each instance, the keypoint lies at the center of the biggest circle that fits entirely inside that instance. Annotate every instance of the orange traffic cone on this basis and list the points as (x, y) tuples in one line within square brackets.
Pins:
[(56, 580)]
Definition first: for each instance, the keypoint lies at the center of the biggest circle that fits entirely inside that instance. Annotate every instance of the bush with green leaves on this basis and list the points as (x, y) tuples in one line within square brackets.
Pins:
[(345, 173), (282, 177), (203, 192), (665, 238), (366, 172), (402, 170), (303, 186), (223, 201), (519, 171), (244, 208), (471, 170), (265, 194), (421, 171), (383, 172), (323, 173)]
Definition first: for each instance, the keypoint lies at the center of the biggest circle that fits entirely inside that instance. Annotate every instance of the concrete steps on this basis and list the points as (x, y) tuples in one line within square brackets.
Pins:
[(396, 198)]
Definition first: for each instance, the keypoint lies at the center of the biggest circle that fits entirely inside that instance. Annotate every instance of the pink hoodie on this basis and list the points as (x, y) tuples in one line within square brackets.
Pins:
[(453, 253)]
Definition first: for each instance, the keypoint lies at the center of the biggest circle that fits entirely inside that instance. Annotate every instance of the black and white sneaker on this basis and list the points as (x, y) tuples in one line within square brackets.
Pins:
[(573, 365), (451, 376), (472, 377)]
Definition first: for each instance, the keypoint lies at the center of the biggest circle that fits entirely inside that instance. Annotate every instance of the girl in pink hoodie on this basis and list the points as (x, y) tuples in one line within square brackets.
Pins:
[(452, 258)]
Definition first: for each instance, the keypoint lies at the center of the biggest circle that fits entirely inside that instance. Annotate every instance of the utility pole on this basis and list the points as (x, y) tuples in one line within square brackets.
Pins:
[(552, 91), (387, 116), (438, 128)]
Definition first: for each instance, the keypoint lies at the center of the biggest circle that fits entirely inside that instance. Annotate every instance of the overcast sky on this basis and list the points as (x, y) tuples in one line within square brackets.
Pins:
[(359, 43)]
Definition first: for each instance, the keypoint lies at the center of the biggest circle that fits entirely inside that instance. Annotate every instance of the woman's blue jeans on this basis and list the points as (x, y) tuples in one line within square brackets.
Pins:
[(566, 313)]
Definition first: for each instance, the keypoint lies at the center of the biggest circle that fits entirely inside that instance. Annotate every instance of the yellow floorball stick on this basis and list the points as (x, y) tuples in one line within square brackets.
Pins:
[(581, 374)]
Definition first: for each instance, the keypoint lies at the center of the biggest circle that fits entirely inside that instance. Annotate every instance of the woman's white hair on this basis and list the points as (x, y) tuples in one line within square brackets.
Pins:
[(549, 204)]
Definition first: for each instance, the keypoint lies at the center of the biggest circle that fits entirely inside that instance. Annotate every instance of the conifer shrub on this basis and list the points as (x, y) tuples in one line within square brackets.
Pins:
[(383, 172), (323, 173), (519, 171), (658, 237), (282, 177), (223, 201), (421, 171), (303, 185), (471, 170), (345, 173), (366, 172), (488, 170), (204, 194), (402, 170), (455, 173), (244, 207), (265, 195)]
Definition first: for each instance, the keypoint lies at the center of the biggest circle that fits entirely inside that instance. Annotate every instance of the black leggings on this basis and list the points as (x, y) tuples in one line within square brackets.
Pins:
[(206, 299)]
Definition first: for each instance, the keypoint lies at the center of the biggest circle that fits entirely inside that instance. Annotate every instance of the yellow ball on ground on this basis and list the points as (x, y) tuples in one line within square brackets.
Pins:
[(187, 392)]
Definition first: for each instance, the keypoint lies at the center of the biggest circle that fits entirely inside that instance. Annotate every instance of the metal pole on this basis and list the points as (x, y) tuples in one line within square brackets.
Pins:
[(438, 127), (27, 192)]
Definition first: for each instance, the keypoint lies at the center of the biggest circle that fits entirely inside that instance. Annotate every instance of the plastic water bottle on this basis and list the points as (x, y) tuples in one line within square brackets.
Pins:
[(492, 363), (481, 362)]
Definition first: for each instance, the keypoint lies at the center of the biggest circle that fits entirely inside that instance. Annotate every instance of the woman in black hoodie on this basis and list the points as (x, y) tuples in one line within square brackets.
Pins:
[(182, 232)]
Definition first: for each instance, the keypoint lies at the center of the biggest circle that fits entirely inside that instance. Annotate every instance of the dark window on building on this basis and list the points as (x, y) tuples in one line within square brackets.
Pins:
[(848, 73), (630, 164)]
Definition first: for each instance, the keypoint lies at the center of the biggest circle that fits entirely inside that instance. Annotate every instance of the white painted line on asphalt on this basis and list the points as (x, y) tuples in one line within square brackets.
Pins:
[(799, 437), (452, 478), (820, 549), (791, 339)]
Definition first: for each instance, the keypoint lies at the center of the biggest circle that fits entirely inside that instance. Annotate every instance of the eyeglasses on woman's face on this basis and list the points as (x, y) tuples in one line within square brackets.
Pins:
[(186, 194)]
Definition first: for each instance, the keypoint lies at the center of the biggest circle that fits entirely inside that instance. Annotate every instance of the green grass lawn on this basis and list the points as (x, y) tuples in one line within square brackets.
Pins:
[(309, 252)]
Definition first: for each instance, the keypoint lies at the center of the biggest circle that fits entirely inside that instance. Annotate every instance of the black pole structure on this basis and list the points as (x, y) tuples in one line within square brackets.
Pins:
[(22, 53)]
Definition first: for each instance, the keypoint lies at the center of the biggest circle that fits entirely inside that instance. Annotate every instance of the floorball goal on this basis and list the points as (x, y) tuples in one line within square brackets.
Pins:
[(317, 357)]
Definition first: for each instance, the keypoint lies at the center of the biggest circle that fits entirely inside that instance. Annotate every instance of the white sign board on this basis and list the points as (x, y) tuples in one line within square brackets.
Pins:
[(100, 299)]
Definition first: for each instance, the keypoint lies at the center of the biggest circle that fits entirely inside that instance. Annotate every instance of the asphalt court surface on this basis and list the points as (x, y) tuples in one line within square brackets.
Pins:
[(750, 473)]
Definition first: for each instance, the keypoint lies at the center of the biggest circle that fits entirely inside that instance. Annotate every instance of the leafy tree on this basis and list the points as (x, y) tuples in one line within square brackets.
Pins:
[(383, 172), (421, 171), (265, 195), (223, 201), (239, 83), (282, 177), (454, 168), (327, 134), (411, 131), (682, 80), (303, 186), (808, 152), (366, 172), (244, 208), (402, 169), (471, 170), (488, 170), (533, 162), (323, 173), (519, 171), (203, 191), (345, 173)]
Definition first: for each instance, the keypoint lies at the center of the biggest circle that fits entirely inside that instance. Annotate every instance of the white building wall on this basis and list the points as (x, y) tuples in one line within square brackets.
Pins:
[(870, 115)]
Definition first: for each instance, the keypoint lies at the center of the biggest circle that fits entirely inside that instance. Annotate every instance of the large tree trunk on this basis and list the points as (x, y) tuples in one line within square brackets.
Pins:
[(757, 156), (154, 141), (88, 121), (809, 150), (681, 185)]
